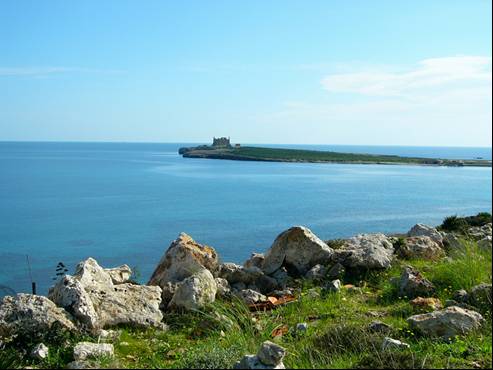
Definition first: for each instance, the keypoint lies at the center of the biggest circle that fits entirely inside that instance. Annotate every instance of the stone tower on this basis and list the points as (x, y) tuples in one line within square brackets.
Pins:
[(221, 142)]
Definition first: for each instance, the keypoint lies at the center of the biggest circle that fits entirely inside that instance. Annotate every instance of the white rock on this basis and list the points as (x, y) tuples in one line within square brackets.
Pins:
[(250, 296), (446, 323), (367, 251), (297, 249), (120, 275), (40, 352), (389, 343), (94, 300), (87, 350), (31, 315), (238, 274), (422, 247), (425, 230), (334, 286), (317, 272), (195, 291), (412, 284), (223, 287), (301, 327), (183, 258)]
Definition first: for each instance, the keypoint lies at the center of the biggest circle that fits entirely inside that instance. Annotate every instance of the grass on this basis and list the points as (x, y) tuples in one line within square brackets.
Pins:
[(337, 335), (298, 155)]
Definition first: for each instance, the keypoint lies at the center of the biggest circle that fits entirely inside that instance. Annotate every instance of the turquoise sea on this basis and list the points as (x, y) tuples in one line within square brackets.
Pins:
[(124, 203)]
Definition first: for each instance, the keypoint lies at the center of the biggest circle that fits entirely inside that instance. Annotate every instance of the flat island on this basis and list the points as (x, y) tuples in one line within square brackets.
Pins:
[(222, 149)]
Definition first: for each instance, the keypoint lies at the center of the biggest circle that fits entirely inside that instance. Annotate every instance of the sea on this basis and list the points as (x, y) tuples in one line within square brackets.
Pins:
[(124, 203)]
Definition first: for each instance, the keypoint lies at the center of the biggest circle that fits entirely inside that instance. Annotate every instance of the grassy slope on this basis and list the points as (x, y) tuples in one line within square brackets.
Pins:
[(277, 154), (336, 338)]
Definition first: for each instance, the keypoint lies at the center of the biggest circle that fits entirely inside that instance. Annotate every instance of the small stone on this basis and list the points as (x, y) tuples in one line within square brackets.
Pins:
[(379, 327), (271, 353), (334, 286), (301, 327), (461, 296), (389, 343), (40, 352), (85, 350), (336, 272)]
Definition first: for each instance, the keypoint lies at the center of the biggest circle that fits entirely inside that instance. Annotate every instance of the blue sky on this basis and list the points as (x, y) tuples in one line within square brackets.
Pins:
[(321, 72)]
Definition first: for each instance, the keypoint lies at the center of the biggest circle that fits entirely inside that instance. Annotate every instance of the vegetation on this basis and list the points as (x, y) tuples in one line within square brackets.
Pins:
[(462, 224), (338, 335), (296, 155)]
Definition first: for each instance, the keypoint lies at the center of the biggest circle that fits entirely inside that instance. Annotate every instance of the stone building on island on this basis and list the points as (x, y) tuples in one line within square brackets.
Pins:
[(221, 142)]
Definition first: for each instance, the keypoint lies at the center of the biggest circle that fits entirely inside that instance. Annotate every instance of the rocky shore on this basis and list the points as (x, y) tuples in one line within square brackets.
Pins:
[(94, 302)]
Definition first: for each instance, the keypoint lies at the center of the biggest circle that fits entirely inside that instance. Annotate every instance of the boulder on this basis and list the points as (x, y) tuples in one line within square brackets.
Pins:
[(195, 291), (238, 274), (422, 247), (366, 251), (298, 250), (412, 284), (184, 258), (255, 260), (452, 242), (480, 296), (32, 315), (336, 271), (88, 350), (91, 296), (446, 323), (250, 296), (281, 277), (379, 327), (425, 230)]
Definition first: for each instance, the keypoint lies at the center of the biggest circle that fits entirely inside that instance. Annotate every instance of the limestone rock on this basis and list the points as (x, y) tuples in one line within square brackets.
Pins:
[(367, 251), (446, 323), (238, 274), (333, 286), (269, 356), (255, 260), (223, 287), (250, 296), (412, 284), (87, 350), (480, 296), (195, 291), (389, 343), (316, 273), (96, 302), (31, 315), (297, 249), (422, 247), (336, 271), (425, 230), (427, 303), (281, 276), (379, 327), (183, 258), (40, 352), (271, 353), (485, 243), (120, 274)]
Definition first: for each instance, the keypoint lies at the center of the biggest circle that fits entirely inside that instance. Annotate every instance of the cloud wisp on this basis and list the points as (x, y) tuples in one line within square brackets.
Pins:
[(429, 75)]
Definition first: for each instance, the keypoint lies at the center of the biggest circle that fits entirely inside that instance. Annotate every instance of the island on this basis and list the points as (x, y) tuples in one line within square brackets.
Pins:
[(222, 148)]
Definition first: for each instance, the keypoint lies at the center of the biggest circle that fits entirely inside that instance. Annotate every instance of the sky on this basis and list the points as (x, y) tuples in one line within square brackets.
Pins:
[(351, 72)]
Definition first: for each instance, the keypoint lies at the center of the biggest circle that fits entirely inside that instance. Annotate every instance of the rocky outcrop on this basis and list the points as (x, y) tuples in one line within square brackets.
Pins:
[(422, 247), (412, 284), (446, 323), (390, 343), (316, 273), (183, 258), (32, 315), (269, 356), (250, 296), (255, 260), (195, 291), (480, 232), (425, 230), (91, 296), (366, 251), (298, 250), (485, 243), (480, 296)]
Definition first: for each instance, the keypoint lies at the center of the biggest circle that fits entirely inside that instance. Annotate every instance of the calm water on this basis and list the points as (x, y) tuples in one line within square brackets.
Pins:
[(124, 203)]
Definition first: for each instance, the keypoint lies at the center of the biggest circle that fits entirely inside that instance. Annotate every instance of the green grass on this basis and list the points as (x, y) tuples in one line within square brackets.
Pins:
[(337, 335), (297, 155)]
